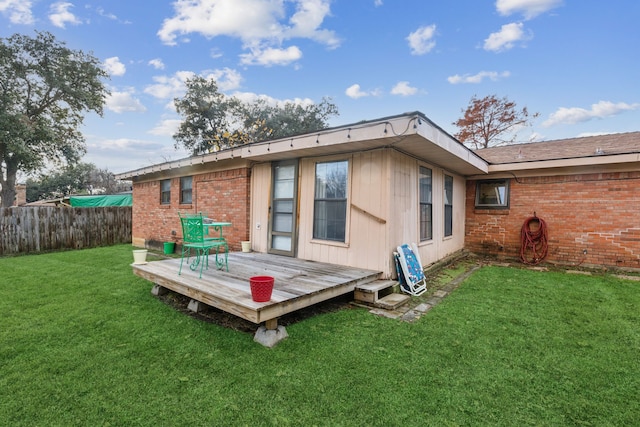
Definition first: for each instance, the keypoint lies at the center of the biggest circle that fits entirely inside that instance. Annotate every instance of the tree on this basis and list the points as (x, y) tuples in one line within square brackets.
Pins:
[(81, 178), (207, 116), (45, 88), (491, 121), (264, 122), (213, 121)]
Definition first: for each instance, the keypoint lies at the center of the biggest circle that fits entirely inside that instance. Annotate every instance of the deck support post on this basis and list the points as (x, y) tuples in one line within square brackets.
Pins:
[(271, 324), (270, 333), (196, 306), (158, 290)]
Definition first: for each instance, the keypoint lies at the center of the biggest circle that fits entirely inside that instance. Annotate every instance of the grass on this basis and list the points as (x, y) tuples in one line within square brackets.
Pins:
[(83, 342)]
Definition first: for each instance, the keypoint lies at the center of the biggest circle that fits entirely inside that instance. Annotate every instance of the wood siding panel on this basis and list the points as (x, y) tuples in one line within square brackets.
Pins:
[(368, 210), (331, 252), (405, 209), (260, 201), (367, 214), (404, 227)]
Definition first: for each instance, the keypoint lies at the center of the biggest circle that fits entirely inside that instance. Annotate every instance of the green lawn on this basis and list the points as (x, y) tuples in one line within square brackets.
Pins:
[(83, 342)]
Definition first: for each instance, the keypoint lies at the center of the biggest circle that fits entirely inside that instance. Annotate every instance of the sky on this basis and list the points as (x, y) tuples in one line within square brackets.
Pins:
[(575, 62)]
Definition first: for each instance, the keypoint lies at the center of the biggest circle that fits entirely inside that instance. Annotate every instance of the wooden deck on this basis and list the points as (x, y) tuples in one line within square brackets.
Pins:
[(298, 283)]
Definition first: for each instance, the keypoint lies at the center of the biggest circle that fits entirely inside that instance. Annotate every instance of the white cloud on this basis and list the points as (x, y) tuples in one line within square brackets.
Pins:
[(215, 53), (19, 11), (100, 11), (226, 78), (59, 15), (355, 92), (528, 8), (249, 20), (506, 38), (124, 101), (307, 21), (250, 97), (535, 137), (127, 153), (157, 63), (271, 56), (598, 111), (478, 78), (261, 25), (421, 40), (377, 3), (169, 87), (114, 67), (403, 89), (127, 145), (167, 127), (105, 14)]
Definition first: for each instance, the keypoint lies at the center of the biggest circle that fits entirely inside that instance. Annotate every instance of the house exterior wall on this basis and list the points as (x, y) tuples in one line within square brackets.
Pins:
[(382, 211), (404, 206), (260, 202), (222, 195), (594, 212), (366, 235)]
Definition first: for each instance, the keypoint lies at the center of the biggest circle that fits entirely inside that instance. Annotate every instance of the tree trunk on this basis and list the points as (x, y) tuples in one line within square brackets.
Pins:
[(8, 190)]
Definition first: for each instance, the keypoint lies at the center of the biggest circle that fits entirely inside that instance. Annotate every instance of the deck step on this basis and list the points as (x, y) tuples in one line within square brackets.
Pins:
[(373, 292), (392, 301)]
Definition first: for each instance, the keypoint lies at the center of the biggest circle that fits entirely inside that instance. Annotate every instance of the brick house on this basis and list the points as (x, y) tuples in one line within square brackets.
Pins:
[(587, 191), (349, 195)]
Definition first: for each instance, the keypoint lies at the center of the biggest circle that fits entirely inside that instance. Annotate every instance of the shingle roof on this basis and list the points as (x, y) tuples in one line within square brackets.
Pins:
[(590, 146)]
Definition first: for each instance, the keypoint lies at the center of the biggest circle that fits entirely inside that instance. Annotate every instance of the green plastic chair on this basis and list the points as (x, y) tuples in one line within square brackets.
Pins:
[(194, 239)]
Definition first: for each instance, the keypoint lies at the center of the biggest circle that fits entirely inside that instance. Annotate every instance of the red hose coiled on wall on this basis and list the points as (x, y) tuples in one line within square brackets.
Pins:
[(533, 242)]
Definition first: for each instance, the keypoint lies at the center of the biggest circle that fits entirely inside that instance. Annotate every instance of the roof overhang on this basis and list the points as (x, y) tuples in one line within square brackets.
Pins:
[(591, 164), (412, 134)]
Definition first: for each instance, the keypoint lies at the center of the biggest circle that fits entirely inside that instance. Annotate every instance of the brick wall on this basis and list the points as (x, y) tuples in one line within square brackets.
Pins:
[(223, 196), (596, 213)]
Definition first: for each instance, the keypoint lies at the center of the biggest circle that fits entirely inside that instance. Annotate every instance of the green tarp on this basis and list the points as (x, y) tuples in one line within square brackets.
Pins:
[(100, 201)]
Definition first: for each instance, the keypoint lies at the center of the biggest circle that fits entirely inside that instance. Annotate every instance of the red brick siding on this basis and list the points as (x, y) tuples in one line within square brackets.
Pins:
[(599, 213), (223, 196)]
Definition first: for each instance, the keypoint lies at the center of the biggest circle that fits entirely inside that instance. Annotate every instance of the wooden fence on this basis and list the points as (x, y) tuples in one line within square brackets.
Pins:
[(25, 230)]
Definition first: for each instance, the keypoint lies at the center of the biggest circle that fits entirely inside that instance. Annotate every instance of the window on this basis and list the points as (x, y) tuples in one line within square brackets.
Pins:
[(186, 183), (448, 205), (165, 192), (426, 224), (330, 204), (493, 194)]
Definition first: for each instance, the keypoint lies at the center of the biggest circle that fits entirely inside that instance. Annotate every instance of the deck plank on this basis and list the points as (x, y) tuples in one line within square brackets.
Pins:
[(298, 283)]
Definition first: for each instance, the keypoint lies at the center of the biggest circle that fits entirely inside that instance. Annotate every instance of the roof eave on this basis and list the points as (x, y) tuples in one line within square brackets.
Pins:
[(411, 133)]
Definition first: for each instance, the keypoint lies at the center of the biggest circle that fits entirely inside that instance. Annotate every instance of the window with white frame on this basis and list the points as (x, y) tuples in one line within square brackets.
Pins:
[(330, 202), (186, 183), (426, 208), (165, 192), (492, 194), (448, 205)]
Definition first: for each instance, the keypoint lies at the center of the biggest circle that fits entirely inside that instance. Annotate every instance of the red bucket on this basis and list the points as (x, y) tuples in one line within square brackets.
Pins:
[(261, 288)]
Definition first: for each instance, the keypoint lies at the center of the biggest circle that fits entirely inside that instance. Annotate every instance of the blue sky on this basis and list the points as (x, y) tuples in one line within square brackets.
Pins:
[(575, 62)]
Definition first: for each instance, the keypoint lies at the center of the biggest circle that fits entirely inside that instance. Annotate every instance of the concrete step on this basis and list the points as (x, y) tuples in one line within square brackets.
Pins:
[(371, 292), (380, 293), (392, 301)]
